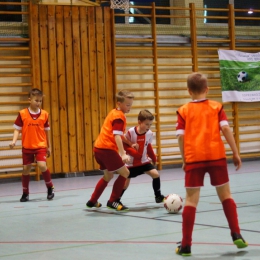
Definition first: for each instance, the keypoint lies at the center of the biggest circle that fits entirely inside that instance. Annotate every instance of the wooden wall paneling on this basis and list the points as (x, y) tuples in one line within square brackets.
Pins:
[(86, 89), (44, 59), (78, 89), (94, 91), (54, 94), (70, 89), (193, 36), (232, 46), (156, 88), (114, 52), (34, 45), (110, 95), (102, 100), (61, 87)]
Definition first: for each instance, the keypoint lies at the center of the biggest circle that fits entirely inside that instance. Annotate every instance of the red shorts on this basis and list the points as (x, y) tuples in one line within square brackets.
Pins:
[(32, 155), (108, 159), (195, 173)]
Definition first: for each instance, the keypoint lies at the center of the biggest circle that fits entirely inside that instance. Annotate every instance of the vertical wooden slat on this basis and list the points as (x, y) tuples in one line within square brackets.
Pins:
[(70, 89), (100, 64), (78, 89), (34, 45), (89, 164), (45, 66), (93, 75), (35, 57), (54, 113), (63, 120), (110, 88), (193, 36), (232, 45), (156, 87), (114, 61)]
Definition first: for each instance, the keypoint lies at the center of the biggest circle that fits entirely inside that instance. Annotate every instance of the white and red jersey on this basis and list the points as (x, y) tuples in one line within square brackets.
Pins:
[(145, 150)]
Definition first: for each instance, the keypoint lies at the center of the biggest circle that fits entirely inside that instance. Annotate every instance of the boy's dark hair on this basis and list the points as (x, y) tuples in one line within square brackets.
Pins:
[(122, 94), (35, 92), (197, 83), (145, 114)]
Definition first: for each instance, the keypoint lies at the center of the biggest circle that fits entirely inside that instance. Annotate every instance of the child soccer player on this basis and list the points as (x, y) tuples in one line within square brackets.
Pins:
[(202, 150), (140, 160), (33, 123), (106, 148)]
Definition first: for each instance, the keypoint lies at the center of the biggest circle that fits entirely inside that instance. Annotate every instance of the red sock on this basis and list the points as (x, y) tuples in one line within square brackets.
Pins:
[(25, 183), (188, 219), (117, 188), (47, 178), (230, 209), (101, 185)]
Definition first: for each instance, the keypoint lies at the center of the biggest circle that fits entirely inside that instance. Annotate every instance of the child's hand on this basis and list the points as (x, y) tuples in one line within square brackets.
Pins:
[(48, 152), (125, 158), (12, 145), (135, 146), (237, 161), (183, 166), (151, 161)]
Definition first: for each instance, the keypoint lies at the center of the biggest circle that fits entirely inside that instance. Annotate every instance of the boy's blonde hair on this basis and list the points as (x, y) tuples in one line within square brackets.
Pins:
[(197, 83), (35, 92), (145, 114), (123, 94)]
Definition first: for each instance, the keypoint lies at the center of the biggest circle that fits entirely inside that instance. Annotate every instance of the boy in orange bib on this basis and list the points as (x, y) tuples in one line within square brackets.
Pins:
[(33, 123), (202, 150), (110, 154)]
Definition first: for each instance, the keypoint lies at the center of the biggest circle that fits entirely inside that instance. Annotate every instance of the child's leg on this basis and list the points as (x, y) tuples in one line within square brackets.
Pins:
[(28, 159), (230, 210), (156, 185), (45, 174), (47, 178), (101, 185), (26, 178), (188, 215), (156, 181), (119, 184), (229, 207), (127, 182)]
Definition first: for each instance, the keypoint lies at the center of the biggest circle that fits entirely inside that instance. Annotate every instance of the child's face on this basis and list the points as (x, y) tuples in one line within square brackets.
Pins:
[(145, 125), (35, 102), (125, 106)]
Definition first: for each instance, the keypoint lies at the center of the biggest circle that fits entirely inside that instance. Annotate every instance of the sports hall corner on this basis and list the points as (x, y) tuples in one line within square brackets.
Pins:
[(80, 54)]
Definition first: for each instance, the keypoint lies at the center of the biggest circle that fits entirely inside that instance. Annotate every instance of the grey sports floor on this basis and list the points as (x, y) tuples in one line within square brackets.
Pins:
[(65, 229)]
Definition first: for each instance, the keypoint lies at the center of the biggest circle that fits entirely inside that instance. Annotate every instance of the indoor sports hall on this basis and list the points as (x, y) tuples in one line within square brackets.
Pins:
[(80, 53)]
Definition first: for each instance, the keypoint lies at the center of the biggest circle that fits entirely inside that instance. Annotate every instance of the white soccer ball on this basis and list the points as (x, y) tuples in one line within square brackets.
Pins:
[(242, 76), (173, 203)]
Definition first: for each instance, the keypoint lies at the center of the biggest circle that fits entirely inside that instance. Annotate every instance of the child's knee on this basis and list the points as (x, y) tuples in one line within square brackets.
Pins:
[(154, 174)]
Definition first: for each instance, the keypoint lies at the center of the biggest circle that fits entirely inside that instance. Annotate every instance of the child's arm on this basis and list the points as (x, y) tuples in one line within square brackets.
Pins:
[(231, 141), (181, 146), (15, 137), (48, 139), (119, 143), (151, 153), (132, 152), (128, 142)]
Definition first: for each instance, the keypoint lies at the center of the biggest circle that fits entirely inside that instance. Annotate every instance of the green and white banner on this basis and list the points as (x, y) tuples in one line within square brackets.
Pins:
[(240, 76)]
